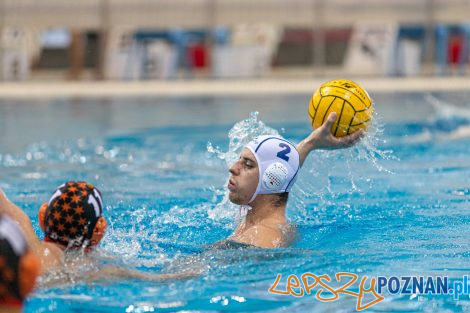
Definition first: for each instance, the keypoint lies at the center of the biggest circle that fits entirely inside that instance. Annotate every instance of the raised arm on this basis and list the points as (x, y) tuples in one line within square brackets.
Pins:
[(322, 138)]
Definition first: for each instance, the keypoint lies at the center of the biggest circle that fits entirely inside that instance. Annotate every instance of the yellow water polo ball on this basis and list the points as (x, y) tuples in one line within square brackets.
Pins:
[(349, 100)]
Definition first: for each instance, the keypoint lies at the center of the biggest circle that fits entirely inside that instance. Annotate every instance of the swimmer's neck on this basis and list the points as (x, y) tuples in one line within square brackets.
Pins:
[(262, 209)]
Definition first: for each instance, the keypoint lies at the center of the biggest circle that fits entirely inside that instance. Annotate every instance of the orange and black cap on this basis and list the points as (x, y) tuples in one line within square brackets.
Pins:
[(73, 215)]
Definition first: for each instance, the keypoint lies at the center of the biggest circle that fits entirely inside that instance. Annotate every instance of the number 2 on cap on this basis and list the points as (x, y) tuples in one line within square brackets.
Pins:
[(283, 153)]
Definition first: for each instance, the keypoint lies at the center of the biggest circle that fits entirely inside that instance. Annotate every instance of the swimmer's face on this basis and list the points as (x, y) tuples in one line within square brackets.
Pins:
[(244, 179)]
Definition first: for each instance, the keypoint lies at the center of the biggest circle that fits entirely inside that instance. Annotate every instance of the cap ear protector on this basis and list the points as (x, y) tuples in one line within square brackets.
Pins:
[(42, 215), (99, 231), (275, 176)]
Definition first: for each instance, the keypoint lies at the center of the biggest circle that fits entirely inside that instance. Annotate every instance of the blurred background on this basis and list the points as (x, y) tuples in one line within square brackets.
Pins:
[(220, 39)]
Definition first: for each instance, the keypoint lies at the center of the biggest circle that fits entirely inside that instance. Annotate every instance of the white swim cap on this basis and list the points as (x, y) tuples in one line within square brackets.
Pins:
[(278, 162)]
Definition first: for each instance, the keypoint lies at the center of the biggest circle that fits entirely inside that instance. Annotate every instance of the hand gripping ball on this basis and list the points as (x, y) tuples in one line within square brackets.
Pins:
[(349, 100)]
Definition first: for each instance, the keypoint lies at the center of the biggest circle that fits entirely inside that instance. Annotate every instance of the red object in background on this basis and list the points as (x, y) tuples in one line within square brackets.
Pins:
[(455, 49), (198, 55)]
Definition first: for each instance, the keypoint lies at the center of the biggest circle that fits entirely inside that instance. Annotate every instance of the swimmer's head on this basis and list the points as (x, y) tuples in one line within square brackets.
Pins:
[(267, 165), (73, 216), (19, 267)]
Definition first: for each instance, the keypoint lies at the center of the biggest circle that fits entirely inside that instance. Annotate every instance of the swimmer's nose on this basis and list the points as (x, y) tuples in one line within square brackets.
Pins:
[(234, 170)]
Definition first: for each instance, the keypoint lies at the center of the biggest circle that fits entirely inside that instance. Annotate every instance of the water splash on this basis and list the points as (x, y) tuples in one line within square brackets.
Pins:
[(76, 267), (369, 148), (336, 172), (330, 177), (320, 202), (239, 136)]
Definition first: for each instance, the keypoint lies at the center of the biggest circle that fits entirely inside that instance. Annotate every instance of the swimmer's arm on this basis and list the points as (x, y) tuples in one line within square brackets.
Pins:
[(322, 138), (9, 208), (114, 272), (109, 273), (48, 254)]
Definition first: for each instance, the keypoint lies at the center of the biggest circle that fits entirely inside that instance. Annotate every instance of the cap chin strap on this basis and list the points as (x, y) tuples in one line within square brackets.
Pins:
[(259, 178), (244, 209), (252, 198)]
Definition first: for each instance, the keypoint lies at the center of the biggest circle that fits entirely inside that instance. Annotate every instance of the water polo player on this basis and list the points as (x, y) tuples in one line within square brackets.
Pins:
[(71, 219), (263, 176), (19, 267)]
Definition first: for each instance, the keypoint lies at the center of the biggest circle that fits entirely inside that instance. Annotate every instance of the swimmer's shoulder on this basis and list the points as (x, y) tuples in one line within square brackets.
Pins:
[(51, 256), (260, 236), (276, 235), (269, 234)]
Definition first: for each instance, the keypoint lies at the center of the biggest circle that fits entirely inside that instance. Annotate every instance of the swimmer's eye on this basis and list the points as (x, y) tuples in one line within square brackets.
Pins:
[(249, 165)]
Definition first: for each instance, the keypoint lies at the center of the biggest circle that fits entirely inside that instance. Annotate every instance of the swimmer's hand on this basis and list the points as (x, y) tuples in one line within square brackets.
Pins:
[(322, 138)]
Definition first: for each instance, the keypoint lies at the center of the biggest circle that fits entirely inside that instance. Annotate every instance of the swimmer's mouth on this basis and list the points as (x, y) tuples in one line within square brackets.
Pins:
[(231, 184)]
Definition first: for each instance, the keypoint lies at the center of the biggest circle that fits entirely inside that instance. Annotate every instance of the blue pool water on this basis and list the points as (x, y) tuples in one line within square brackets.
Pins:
[(397, 204)]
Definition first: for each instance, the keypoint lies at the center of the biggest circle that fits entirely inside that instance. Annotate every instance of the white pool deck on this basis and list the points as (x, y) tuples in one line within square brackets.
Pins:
[(53, 89)]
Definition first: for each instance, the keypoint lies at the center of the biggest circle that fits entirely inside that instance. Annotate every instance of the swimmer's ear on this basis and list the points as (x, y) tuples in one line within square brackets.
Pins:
[(99, 231), (41, 215), (29, 270)]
